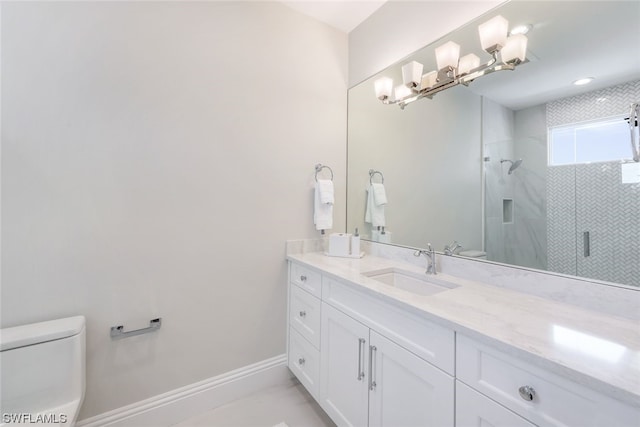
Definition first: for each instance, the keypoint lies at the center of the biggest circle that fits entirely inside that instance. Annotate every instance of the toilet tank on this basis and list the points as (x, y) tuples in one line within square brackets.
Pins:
[(42, 370)]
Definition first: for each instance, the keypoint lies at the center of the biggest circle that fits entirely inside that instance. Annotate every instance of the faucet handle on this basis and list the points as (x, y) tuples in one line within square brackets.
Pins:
[(429, 247)]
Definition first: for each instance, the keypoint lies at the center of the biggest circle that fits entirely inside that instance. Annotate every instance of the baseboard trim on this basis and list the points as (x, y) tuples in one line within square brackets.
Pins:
[(180, 404)]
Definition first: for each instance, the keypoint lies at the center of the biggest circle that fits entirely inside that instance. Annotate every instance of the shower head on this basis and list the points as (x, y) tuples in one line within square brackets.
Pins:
[(514, 165)]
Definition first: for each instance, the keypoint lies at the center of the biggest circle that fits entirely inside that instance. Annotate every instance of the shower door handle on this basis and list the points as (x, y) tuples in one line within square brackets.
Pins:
[(586, 243)]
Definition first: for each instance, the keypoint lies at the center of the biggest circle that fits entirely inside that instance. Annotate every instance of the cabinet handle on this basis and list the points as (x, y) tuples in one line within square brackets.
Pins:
[(303, 278), (360, 361), (586, 243), (372, 370), (303, 313), (527, 393), (301, 361)]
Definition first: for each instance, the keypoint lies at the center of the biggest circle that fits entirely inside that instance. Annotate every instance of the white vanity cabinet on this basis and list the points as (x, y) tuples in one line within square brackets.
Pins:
[(304, 326), (474, 409), (367, 379), (535, 394), (376, 362), (371, 361), (344, 391)]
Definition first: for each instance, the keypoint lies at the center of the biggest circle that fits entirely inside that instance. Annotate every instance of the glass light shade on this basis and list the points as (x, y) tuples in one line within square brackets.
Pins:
[(411, 74), (515, 51), (383, 87), (468, 63), (428, 79), (447, 55), (493, 33), (402, 91)]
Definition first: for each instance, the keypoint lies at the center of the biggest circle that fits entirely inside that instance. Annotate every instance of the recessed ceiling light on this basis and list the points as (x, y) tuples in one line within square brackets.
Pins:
[(583, 81), (521, 29)]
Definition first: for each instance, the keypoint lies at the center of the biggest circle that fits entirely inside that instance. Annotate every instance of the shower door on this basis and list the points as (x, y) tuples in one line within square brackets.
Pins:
[(593, 225), (607, 212)]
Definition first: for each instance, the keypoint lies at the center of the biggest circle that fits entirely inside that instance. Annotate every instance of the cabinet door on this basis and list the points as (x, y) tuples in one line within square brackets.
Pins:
[(343, 361), (475, 410), (405, 390)]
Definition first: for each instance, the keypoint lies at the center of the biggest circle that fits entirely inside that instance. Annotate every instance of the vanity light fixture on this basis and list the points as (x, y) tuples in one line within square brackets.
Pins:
[(453, 70)]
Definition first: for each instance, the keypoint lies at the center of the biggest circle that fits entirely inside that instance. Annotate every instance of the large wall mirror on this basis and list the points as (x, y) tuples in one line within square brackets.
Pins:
[(520, 167)]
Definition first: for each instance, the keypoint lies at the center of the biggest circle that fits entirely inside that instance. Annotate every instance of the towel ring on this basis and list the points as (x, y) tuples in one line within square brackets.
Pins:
[(319, 167), (372, 173)]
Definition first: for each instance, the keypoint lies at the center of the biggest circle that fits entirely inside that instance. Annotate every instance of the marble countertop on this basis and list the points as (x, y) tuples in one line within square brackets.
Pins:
[(599, 351)]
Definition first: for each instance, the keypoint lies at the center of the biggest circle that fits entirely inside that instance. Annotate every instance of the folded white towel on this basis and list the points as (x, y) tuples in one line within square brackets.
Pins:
[(374, 213), (325, 186), (322, 212), (379, 194)]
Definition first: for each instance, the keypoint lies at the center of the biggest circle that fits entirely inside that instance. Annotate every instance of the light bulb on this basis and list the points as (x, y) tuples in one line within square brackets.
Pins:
[(411, 74), (383, 88), (401, 91), (493, 33), (515, 51), (428, 80), (447, 55), (468, 63)]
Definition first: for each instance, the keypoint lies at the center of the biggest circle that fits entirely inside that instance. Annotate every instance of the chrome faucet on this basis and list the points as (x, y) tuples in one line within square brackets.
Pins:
[(452, 248), (431, 258)]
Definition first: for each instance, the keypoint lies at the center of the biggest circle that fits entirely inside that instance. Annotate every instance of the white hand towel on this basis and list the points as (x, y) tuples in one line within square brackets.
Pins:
[(379, 194), (325, 187), (322, 212), (374, 214)]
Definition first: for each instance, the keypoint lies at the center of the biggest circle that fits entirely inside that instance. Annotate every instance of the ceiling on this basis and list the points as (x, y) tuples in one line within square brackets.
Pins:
[(343, 15)]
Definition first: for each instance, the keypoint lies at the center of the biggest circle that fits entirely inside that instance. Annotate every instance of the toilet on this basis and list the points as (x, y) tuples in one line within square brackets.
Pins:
[(42, 372), (473, 253)]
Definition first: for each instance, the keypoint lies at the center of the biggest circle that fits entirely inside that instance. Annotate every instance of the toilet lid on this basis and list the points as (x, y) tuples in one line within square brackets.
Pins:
[(35, 333), (473, 253)]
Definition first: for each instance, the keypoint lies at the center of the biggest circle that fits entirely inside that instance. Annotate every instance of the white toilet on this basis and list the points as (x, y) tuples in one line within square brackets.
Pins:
[(42, 372), (474, 253)]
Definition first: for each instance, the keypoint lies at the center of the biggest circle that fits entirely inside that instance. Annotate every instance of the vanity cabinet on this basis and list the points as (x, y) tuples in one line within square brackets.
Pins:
[(367, 362), (535, 394), (344, 392), (304, 326), (367, 379), (473, 409)]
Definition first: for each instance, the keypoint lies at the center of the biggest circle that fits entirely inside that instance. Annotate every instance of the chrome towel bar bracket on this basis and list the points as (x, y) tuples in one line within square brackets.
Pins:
[(118, 332)]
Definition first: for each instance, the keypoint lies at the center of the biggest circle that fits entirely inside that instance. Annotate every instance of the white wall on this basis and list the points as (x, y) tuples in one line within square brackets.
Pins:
[(400, 27), (431, 161), (155, 158)]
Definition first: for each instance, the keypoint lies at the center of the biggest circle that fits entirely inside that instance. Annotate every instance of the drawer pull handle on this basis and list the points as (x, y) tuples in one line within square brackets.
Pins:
[(361, 342), (527, 392), (303, 313), (303, 278), (301, 361), (372, 368)]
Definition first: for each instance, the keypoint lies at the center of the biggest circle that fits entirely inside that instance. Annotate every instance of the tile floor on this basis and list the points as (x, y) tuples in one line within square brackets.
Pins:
[(289, 404)]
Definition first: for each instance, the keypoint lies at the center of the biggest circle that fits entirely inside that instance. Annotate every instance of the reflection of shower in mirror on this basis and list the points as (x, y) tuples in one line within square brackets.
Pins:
[(514, 165)]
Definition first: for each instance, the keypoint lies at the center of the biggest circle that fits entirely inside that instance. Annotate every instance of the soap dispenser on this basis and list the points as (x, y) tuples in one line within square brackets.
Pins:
[(355, 244)]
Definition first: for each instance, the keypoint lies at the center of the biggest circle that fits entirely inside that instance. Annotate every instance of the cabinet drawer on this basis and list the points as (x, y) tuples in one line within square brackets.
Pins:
[(304, 315), (474, 409), (307, 279), (430, 341), (556, 401), (304, 362)]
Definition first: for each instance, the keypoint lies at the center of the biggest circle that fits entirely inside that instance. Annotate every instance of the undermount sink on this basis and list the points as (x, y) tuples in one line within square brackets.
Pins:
[(417, 283)]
